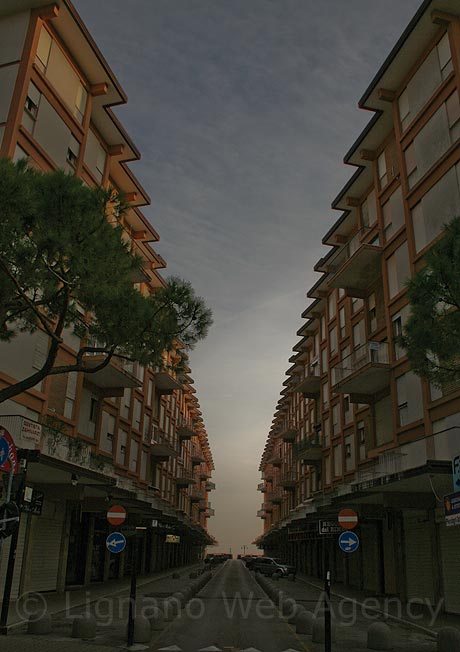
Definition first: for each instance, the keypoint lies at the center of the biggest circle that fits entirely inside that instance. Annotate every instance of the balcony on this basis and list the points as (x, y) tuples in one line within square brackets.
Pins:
[(261, 513), (275, 497), (288, 480), (204, 472), (267, 476), (197, 455), (309, 451), (267, 507), (356, 265), (311, 383), (165, 382), (203, 506), (197, 495), (262, 487), (275, 460), (363, 373), (210, 486), (162, 448), (288, 432), (185, 430), (209, 512), (114, 378), (184, 478)]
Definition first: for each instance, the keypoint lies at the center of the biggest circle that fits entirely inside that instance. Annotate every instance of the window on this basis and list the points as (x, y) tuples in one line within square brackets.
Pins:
[(369, 210), (122, 447), (327, 470), (372, 312), (338, 460), (323, 361), (126, 403), (137, 410), (336, 419), (325, 394), (331, 305), (147, 435), (393, 214), (333, 340), (358, 334), (434, 69), (31, 108), (398, 270), (342, 322), (70, 394), (150, 392), (95, 156), (356, 304), (349, 453), (382, 170), (133, 455), (72, 151), (347, 411), (398, 320), (361, 433), (437, 207), (410, 400), (323, 327), (93, 409), (383, 421), (107, 432)]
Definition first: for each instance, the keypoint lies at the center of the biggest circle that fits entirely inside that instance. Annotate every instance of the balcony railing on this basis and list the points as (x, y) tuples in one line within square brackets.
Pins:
[(196, 455), (356, 265), (184, 477), (185, 429), (261, 513), (275, 497), (267, 507), (275, 460), (197, 495), (288, 479), (310, 385), (366, 371), (163, 447), (165, 381), (210, 486), (262, 487), (288, 432), (114, 378), (309, 451), (209, 512)]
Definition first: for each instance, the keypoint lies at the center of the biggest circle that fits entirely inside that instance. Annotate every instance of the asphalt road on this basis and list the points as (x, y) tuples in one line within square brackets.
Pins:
[(231, 611)]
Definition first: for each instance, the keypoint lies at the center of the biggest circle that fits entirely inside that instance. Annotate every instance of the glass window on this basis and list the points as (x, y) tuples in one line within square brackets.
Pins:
[(398, 270), (382, 170), (331, 305), (410, 399)]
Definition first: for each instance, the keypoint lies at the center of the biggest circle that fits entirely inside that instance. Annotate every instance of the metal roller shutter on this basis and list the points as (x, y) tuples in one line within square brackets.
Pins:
[(45, 547), (371, 558), (15, 589), (418, 557), (450, 556)]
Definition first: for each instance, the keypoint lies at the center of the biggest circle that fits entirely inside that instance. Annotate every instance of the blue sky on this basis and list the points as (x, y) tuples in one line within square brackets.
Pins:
[(243, 111)]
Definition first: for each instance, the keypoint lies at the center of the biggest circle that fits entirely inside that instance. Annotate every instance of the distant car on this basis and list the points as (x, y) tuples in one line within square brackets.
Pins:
[(249, 560), (269, 566)]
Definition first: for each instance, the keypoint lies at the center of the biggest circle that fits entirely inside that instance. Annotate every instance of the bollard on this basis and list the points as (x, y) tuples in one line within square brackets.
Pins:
[(318, 631), (84, 627), (298, 609), (379, 637), (156, 618), (304, 622), (142, 630), (39, 625)]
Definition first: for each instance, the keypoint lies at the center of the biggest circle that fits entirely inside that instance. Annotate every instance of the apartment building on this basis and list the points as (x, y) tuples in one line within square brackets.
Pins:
[(354, 426), (126, 434)]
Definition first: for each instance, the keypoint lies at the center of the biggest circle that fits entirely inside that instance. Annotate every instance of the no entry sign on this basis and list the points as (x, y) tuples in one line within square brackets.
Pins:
[(348, 519), (116, 515)]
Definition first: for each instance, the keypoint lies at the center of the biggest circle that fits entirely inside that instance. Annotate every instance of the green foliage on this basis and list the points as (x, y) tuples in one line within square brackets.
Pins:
[(432, 333), (64, 263)]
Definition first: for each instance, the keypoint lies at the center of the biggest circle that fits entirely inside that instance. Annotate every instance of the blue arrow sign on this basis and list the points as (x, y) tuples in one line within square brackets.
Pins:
[(115, 542), (4, 452), (456, 472), (349, 541)]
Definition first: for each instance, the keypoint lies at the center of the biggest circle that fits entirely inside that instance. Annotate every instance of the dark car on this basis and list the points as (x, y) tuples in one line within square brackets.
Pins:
[(249, 560), (269, 566)]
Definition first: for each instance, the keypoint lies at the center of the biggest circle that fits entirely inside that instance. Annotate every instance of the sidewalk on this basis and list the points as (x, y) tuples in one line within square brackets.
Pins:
[(56, 603)]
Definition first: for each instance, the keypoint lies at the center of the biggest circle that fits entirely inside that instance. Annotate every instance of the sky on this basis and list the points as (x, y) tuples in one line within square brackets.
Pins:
[(243, 111)]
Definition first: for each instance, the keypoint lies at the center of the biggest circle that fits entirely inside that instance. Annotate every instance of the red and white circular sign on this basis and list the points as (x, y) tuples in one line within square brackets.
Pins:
[(116, 515), (348, 519)]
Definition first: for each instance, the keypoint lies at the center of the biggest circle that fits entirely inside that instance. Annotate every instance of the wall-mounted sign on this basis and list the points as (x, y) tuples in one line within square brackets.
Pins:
[(452, 508), (172, 538)]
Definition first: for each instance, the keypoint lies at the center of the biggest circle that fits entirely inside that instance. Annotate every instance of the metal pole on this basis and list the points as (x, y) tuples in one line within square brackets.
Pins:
[(132, 594), (327, 604)]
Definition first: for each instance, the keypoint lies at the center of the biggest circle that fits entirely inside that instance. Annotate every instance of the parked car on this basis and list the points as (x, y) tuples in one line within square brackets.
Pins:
[(249, 560), (269, 566)]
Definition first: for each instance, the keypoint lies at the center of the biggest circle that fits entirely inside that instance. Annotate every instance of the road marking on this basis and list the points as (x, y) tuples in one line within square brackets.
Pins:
[(171, 648)]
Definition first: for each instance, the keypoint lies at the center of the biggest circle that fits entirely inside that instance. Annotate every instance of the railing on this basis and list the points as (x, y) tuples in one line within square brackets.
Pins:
[(197, 495), (196, 452), (210, 512), (185, 428), (261, 486), (306, 445), (275, 496), (267, 476), (160, 437), (210, 486), (345, 252), (288, 476), (368, 353), (261, 513), (185, 475)]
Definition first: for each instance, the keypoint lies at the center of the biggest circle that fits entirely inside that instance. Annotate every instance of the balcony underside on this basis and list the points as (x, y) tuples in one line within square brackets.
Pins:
[(275, 461), (288, 435), (185, 482), (311, 455), (112, 379), (309, 387), (368, 381), (185, 432), (288, 484), (165, 383), (162, 452), (360, 271)]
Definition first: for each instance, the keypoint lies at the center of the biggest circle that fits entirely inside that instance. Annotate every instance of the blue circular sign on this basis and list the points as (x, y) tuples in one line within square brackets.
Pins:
[(4, 452), (349, 542), (116, 542)]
